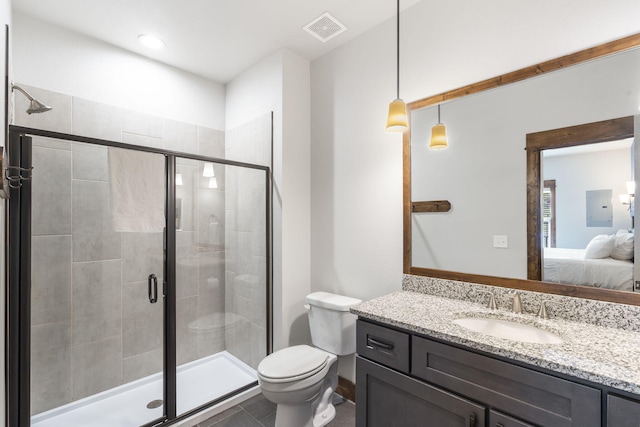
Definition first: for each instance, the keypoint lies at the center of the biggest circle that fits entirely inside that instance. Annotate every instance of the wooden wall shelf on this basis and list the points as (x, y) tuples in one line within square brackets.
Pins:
[(431, 206)]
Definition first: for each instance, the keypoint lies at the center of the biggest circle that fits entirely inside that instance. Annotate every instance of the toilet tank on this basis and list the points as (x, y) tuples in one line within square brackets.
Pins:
[(333, 327)]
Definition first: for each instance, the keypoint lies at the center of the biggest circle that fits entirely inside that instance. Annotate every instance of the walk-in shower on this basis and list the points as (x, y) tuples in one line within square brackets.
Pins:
[(138, 291)]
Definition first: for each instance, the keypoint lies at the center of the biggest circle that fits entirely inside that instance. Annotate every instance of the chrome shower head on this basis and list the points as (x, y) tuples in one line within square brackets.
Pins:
[(35, 106)]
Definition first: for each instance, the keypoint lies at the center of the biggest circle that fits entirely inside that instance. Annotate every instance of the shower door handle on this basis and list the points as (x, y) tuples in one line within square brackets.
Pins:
[(153, 288)]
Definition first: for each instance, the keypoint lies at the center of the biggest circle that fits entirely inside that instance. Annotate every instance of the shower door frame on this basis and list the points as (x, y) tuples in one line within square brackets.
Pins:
[(18, 275)]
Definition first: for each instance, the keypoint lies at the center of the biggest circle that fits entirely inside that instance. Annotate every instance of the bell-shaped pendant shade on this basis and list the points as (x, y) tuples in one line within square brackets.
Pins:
[(438, 137), (397, 119)]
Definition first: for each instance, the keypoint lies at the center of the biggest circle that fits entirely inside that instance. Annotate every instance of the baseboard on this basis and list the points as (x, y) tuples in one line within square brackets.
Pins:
[(346, 389)]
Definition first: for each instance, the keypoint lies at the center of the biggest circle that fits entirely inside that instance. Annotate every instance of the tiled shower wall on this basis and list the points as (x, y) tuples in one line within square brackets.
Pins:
[(93, 328), (246, 284)]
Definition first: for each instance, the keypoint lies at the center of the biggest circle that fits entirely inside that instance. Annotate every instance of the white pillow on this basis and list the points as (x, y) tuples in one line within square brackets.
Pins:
[(623, 248), (600, 247)]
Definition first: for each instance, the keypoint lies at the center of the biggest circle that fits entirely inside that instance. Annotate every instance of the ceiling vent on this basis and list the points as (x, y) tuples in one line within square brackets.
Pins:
[(324, 27)]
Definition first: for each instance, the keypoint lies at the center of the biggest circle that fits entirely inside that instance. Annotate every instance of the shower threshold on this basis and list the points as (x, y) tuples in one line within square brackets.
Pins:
[(138, 402)]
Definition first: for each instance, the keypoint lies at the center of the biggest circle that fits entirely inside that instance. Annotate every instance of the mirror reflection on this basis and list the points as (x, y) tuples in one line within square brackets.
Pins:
[(483, 173), (587, 221)]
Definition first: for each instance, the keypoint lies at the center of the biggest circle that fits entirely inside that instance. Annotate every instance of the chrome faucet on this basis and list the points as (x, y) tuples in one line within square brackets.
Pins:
[(492, 300), (516, 307)]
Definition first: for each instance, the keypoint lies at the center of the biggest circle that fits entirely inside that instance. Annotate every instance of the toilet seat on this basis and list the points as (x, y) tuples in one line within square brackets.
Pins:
[(292, 364)]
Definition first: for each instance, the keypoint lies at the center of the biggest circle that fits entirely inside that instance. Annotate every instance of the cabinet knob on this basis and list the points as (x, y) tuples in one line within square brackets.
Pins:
[(472, 420)]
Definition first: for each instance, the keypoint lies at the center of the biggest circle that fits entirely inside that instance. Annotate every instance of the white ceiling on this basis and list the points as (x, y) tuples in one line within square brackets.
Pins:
[(217, 39)]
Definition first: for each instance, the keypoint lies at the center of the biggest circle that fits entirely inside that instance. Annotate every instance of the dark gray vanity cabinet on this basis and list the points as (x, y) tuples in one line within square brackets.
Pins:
[(407, 380)]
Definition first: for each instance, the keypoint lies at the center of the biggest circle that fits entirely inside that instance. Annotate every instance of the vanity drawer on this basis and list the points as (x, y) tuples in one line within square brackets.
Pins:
[(622, 412), (383, 345), (538, 398), (498, 419)]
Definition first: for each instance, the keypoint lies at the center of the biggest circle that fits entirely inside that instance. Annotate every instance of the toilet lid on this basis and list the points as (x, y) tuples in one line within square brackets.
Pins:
[(293, 363)]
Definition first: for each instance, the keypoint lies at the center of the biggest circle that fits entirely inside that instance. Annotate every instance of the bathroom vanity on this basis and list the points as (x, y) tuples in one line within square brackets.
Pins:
[(417, 367)]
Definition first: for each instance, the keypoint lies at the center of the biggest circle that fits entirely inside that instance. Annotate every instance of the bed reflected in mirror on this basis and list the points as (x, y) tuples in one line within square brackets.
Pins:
[(587, 216), (580, 205)]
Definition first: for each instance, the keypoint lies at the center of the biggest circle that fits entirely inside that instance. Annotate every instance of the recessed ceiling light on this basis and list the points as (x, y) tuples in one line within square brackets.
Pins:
[(152, 42)]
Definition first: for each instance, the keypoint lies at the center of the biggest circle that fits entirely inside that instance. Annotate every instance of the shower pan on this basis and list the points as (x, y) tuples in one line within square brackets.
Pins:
[(138, 293)]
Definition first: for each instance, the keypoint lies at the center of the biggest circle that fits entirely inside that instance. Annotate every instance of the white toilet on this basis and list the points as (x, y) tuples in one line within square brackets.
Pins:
[(301, 379)]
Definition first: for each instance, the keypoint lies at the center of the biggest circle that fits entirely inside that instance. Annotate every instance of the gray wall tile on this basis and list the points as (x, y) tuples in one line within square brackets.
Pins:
[(141, 140), (210, 215), (212, 342), (56, 144), (51, 210), (211, 282), (187, 194), (187, 312), (187, 265), (142, 365), (97, 367), (93, 235), (142, 328), (142, 255), (141, 124), (238, 341), (90, 162), (97, 301), (258, 222), (259, 347), (179, 136), (97, 120), (50, 279), (50, 366), (210, 142)]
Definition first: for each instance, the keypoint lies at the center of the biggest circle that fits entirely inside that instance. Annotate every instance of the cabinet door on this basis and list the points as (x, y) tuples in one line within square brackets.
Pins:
[(386, 398), (498, 419), (622, 412)]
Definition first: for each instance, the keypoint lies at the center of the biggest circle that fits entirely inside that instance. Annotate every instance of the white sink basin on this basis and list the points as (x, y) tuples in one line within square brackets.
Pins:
[(508, 330)]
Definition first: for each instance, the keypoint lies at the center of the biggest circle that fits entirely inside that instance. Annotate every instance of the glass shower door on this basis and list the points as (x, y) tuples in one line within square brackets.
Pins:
[(221, 279), (97, 306)]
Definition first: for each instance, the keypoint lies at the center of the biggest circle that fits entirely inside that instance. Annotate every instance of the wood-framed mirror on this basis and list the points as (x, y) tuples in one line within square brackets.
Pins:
[(524, 238), (618, 129)]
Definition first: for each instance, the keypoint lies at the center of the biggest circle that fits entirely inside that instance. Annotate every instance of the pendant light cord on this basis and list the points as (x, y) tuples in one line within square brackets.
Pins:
[(439, 114), (398, 50)]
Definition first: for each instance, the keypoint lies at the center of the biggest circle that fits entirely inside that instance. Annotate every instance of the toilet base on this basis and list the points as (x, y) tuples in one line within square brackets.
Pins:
[(317, 411), (325, 417), (302, 416)]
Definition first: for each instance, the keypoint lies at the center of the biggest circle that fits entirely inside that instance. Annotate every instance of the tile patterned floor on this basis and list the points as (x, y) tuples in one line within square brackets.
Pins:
[(259, 412)]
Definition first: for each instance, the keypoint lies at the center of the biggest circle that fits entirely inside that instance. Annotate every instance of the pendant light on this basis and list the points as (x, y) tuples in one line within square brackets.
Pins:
[(438, 135), (397, 118), (207, 171)]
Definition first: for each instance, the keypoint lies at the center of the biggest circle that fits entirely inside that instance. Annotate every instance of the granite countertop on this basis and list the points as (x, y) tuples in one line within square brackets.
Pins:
[(599, 354)]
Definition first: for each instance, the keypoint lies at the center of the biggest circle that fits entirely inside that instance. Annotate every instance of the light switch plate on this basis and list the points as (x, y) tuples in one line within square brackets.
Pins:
[(500, 242)]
